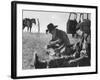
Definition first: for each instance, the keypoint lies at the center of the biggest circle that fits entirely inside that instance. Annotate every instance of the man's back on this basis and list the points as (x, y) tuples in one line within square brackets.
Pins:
[(62, 36)]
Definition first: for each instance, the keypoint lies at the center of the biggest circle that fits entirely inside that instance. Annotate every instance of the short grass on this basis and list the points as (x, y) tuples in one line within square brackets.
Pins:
[(35, 42)]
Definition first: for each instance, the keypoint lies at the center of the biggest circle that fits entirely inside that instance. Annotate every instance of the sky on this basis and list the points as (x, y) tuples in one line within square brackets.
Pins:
[(57, 18)]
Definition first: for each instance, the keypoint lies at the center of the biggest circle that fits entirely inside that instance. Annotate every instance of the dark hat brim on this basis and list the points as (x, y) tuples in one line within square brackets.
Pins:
[(49, 29)]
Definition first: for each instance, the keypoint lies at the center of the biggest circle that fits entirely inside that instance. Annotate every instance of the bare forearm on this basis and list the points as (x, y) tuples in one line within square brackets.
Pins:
[(53, 42)]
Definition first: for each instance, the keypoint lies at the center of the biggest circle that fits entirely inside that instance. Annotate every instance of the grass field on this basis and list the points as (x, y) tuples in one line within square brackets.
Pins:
[(35, 42)]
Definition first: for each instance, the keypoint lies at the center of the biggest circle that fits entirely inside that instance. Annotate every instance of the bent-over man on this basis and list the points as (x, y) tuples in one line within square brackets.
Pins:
[(60, 41)]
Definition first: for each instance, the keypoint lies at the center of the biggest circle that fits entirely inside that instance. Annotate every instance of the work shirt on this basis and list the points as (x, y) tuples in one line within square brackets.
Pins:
[(63, 40)]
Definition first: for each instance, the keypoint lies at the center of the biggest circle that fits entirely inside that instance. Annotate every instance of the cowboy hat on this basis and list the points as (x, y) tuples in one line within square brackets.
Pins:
[(51, 27)]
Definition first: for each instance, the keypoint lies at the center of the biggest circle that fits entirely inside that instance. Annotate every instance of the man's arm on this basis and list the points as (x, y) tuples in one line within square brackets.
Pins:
[(65, 39), (54, 42), (76, 59), (82, 55)]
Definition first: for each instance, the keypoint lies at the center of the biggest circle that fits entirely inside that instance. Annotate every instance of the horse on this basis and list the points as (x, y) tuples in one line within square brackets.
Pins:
[(28, 23)]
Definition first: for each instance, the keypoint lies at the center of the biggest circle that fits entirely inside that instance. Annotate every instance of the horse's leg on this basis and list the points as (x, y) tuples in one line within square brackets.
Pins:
[(27, 28), (30, 29)]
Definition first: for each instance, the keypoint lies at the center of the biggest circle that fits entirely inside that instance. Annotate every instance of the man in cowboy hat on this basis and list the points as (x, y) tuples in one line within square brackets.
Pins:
[(59, 40)]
